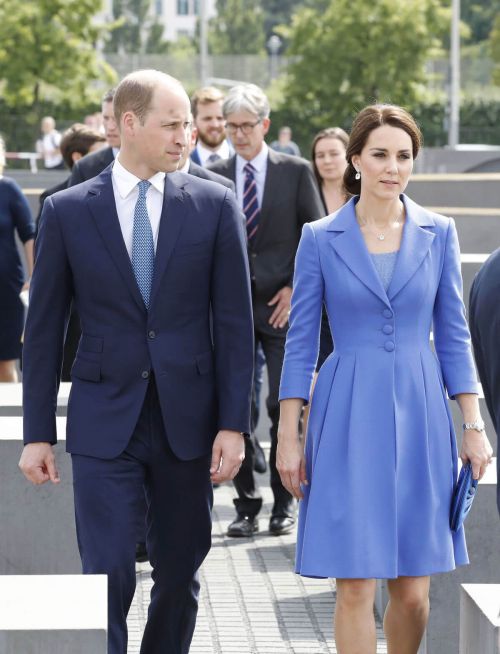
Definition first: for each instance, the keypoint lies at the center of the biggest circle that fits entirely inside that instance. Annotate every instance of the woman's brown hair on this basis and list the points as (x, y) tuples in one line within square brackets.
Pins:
[(365, 122)]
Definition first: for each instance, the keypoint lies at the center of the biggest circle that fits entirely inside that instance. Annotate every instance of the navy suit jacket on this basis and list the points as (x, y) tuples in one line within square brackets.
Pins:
[(91, 165), (203, 371), (484, 318)]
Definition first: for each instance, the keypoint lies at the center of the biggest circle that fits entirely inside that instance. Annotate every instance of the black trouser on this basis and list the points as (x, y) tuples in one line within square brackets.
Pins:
[(249, 501)]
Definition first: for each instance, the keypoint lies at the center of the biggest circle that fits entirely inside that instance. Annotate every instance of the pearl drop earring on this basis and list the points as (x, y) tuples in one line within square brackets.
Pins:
[(357, 175)]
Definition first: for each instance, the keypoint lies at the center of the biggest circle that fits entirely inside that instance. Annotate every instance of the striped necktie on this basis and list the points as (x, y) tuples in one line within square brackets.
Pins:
[(251, 207), (143, 251)]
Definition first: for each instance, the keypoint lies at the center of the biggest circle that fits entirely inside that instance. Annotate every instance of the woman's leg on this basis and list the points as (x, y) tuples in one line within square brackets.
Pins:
[(406, 614), (354, 619), (8, 372)]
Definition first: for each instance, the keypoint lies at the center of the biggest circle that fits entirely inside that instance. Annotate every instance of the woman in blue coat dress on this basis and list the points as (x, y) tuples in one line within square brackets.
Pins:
[(380, 461)]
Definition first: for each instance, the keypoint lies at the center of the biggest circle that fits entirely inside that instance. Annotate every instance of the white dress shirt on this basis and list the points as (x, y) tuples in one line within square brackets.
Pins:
[(260, 164), (204, 153), (126, 194)]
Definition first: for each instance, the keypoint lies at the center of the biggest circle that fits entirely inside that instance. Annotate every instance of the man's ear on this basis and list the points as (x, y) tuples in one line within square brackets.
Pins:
[(266, 124)]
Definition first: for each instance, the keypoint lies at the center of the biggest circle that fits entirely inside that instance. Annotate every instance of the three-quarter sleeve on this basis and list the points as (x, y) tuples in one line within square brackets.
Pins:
[(451, 333), (23, 220), (302, 341)]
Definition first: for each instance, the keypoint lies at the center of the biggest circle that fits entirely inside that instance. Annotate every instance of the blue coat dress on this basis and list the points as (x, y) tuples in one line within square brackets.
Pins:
[(380, 451)]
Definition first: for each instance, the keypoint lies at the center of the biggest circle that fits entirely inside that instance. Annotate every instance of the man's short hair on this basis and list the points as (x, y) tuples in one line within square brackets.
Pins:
[(135, 92), (246, 97), (205, 95), (109, 95), (78, 138)]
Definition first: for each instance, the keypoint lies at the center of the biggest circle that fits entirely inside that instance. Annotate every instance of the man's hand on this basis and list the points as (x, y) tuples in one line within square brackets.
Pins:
[(228, 453), (279, 316), (38, 463)]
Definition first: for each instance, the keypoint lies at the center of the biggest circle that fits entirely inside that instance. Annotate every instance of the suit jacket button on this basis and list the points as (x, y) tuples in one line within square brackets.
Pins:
[(145, 374), (387, 329), (152, 334), (389, 346), (387, 313)]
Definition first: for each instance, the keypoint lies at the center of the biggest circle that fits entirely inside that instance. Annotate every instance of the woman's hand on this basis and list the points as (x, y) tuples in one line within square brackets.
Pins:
[(476, 448), (290, 461)]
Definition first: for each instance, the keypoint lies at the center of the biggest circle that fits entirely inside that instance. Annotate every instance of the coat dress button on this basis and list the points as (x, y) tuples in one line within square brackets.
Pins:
[(387, 313), (389, 346), (387, 329)]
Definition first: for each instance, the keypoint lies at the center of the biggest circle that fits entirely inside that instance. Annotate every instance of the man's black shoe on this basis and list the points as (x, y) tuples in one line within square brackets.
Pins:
[(281, 524), (141, 553), (259, 457), (243, 526)]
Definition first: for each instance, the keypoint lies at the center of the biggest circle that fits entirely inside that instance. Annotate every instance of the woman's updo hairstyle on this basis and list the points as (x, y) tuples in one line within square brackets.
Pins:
[(365, 122)]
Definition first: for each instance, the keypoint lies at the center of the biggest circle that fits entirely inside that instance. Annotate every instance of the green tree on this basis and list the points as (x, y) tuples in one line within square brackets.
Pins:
[(48, 51), (494, 43), (480, 16), (135, 29), (344, 59), (238, 28)]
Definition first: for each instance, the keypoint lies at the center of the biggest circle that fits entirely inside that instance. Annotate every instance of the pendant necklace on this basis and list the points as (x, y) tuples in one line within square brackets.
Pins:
[(381, 235)]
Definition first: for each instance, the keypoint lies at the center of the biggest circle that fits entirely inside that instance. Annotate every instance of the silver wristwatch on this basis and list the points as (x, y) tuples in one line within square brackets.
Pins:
[(478, 425)]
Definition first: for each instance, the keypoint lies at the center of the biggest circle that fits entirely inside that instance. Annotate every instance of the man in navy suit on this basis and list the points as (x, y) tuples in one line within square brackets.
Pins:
[(484, 319), (161, 393)]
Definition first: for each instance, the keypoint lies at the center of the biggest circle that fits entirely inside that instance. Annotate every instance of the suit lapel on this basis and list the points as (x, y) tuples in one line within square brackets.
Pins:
[(415, 245), (350, 245), (101, 202), (171, 222)]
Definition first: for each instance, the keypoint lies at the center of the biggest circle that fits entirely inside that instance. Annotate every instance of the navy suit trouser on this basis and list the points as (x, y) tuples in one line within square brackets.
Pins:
[(109, 509)]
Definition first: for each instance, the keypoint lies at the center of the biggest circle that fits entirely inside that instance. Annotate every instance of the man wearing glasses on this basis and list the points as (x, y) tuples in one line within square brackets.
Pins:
[(278, 195)]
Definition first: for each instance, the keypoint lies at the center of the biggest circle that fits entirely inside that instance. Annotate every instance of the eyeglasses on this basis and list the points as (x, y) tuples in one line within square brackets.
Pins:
[(245, 128)]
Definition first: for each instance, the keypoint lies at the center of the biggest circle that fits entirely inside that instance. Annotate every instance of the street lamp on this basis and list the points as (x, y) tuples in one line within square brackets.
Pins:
[(273, 45), (454, 124)]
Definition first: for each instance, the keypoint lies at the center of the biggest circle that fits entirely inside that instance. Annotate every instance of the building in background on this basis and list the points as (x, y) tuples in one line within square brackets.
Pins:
[(178, 17)]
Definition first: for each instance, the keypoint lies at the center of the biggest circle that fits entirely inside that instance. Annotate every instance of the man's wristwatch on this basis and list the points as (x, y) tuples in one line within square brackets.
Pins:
[(477, 425)]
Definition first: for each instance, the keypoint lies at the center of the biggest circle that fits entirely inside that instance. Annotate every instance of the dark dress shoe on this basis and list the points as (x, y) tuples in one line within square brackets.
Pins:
[(281, 524), (243, 526), (259, 457), (141, 553)]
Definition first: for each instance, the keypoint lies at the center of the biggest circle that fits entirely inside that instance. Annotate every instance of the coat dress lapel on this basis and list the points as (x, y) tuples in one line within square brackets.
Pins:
[(415, 244), (351, 247)]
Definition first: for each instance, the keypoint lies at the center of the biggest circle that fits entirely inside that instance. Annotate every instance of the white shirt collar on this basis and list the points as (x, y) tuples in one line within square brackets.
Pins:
[(204, 153), (258, 162), (126, 181)]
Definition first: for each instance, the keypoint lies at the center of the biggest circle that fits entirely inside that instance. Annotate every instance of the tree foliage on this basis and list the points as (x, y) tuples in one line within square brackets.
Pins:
[(345, 59), (48, 50), (135, 29), (480, 16), (238, 28)]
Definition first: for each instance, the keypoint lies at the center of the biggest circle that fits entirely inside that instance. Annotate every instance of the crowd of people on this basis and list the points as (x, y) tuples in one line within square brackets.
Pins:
[(183, 258)]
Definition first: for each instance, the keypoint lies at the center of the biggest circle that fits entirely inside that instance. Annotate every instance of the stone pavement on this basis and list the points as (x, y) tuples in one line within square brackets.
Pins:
[(251, 601)]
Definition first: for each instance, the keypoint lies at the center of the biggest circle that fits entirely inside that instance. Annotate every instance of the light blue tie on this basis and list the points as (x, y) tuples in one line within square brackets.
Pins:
[(143, 251)]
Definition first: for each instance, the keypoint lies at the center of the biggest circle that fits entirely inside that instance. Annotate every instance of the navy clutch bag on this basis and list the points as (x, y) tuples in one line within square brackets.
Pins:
[(463, 496)]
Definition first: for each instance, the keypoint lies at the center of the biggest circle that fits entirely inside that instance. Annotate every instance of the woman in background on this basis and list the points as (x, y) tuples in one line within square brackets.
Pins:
[(15, 216), (329, 163)]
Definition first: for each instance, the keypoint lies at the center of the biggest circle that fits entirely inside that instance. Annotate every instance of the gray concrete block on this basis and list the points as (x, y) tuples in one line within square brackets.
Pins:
[(480, 619), (37, 534), (482, 530), (11, 399), (66, 614)]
